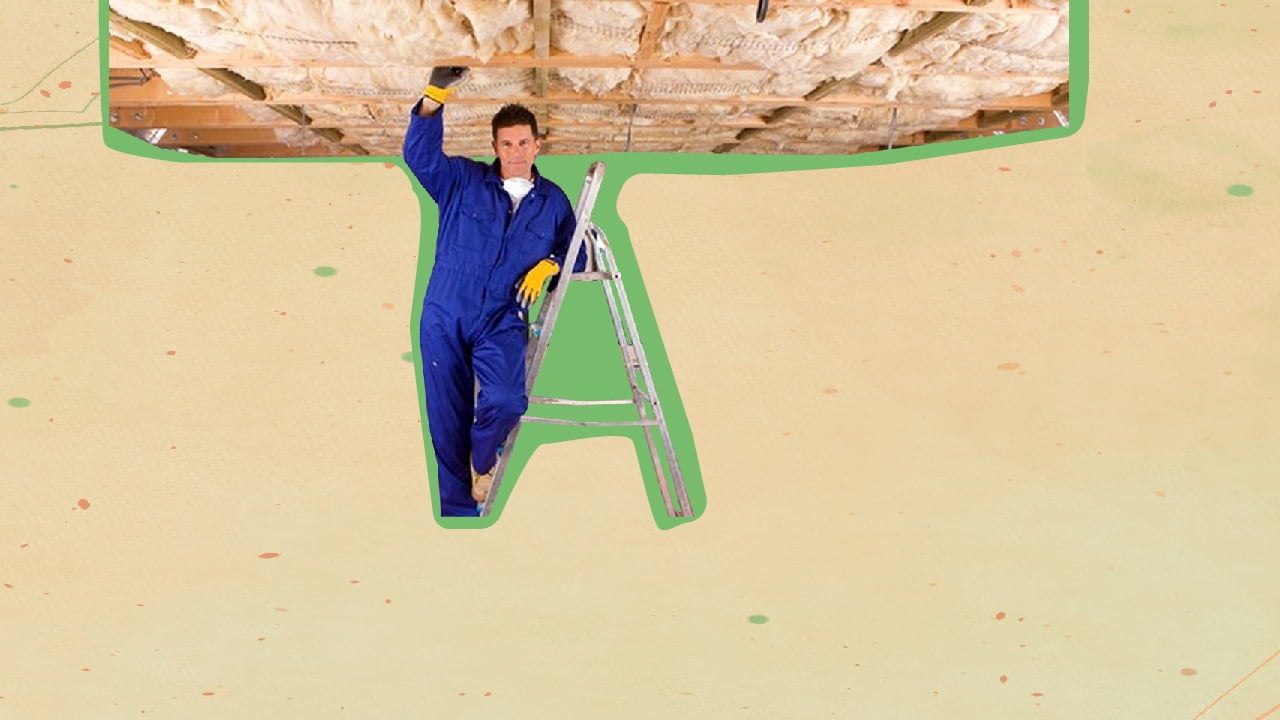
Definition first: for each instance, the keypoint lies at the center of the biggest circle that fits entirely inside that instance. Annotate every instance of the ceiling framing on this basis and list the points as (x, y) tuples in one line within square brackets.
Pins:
[(328, 91)]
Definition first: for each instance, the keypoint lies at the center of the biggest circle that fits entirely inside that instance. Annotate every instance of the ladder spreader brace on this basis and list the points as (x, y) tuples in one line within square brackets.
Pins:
[(600, 266)]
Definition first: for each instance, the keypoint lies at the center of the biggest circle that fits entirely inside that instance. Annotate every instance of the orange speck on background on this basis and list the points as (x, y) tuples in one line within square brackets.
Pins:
[(1018, 288), (1099, 252), (1004, 169), (1000, 616), (269, 555), (1213, 104), (65, 85), (171, 352), (388, 601), (8, 586), (24, 545), (1188, 671), (487, 694), (1009, 366), (1037, 694), (1004, 678), (84, 504), (829, 391), (45, 93), (206, 694), (67, 260), (355, 582)]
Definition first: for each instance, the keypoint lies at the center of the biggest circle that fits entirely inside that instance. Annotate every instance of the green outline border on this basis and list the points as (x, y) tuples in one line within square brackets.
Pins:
[(568, 171)]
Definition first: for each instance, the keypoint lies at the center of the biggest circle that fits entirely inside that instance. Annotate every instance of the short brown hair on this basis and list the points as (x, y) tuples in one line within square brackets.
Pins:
[(514, 115)]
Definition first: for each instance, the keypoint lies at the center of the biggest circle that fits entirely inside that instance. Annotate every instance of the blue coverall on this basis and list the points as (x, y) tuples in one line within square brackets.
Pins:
[(473, 327)]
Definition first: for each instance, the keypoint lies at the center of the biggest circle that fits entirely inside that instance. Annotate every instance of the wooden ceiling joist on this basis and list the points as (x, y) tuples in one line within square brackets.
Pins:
[(178, 47), (196, 119), (654, 24), (553, 59), (541, 42), (934, 27), (185, 137), (130, 48), (153, 95)]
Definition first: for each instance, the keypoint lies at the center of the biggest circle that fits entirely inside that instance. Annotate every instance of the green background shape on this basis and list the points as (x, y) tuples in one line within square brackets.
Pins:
[(581, 333)]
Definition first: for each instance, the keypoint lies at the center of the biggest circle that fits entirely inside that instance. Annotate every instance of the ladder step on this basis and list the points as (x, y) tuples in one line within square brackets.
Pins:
[(564, 401), (630, 356), (594, 275), (584, 423)]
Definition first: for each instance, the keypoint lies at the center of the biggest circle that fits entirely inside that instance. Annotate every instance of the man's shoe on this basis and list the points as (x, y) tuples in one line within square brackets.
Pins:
[(480, 483)]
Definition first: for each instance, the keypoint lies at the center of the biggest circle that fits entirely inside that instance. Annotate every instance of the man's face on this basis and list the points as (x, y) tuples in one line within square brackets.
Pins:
[(516, 147)]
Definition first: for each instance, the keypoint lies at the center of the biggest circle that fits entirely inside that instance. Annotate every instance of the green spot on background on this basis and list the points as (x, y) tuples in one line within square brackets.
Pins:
[(407, 357), (19, 402), (15, 187), (325, 271), (758, 619), (1240, 190)]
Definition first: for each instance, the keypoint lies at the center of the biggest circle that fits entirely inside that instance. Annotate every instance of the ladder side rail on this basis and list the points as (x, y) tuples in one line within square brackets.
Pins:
[(615, 296), (677, 477)]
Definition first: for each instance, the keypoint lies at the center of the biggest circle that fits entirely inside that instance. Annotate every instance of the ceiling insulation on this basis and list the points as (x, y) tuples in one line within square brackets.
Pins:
[(319, 77)]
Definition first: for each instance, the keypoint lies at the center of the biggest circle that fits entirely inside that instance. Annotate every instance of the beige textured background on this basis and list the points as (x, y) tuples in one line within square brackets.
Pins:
[(987, 436)]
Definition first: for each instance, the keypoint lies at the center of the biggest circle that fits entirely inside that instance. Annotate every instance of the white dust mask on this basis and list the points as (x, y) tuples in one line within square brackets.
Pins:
[(517, 188)]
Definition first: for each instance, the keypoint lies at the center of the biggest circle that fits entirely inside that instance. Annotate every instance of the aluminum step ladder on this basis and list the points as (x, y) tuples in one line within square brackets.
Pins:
[(600, 267)]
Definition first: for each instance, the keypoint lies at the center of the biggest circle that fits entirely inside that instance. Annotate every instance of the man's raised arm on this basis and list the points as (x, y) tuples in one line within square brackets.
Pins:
[(424, 141)]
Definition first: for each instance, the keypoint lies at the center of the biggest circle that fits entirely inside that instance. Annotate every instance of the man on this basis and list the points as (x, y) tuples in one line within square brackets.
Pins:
[(504, 230)]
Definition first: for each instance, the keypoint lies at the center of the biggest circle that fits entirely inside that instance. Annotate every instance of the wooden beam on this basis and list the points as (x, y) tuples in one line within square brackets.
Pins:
[(541, 42), (274, 150), (1012, 121), (1061, 96), (931, 28), (152, 94), (232, 119), (131, 48), (654, 25), (157, 36), (217, 136), (177, 46), (553, 59)]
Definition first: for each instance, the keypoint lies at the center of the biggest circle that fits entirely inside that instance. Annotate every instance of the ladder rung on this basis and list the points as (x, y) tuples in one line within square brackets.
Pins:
[(619, 423), (564, 401), (594, 275)]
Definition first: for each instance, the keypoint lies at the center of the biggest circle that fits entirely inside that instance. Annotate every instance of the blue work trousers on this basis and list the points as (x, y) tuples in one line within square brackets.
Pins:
[(465, 339)]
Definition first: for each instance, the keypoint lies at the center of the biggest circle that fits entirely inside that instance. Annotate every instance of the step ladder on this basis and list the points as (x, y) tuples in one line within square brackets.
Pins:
[(600, 267)]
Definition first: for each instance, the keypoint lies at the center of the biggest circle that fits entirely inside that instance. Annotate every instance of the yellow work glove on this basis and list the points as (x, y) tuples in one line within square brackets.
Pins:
[(531, 286), (443, 82)]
